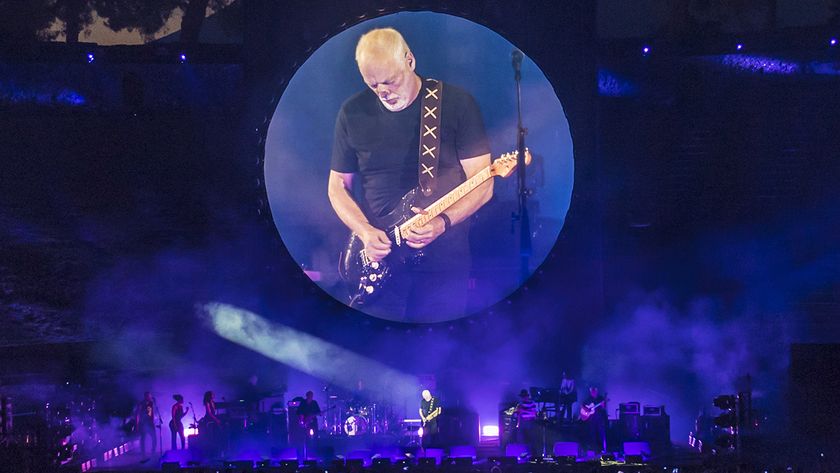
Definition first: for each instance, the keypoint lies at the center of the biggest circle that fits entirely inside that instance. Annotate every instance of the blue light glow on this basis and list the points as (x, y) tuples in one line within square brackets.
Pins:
[(646, 50), (182, 58), (760, 64), (90, 58), (611, 84), (739, 46)]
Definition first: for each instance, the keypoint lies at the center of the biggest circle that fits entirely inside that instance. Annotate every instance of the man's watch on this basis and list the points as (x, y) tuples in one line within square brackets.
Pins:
[(447, 224)]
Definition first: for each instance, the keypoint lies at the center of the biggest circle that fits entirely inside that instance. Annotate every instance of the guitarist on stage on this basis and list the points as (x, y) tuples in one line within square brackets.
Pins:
[(308, 413), (593, 413), (429, 411), (377, 143)]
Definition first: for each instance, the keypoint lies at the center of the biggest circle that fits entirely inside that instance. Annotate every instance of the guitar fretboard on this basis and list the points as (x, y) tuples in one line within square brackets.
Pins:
[(440, 205)]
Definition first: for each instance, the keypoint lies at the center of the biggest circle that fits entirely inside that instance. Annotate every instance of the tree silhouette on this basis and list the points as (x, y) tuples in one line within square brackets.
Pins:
[(26, 21), (145, 16), (76, 15), (33, 20), (149, 16)]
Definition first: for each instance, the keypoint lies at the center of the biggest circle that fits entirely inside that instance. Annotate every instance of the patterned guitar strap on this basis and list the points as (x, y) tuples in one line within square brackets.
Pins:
[(430, 132)]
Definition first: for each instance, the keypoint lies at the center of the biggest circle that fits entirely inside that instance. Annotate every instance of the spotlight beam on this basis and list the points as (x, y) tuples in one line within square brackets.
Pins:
[(305, 352)]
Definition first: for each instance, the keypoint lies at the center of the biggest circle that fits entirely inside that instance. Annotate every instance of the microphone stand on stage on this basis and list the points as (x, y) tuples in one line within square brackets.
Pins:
[(195, 421), (159, 427), (524, 192)]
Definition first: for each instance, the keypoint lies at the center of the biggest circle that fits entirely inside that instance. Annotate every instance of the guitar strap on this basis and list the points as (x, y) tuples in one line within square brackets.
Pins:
[(430, 133)]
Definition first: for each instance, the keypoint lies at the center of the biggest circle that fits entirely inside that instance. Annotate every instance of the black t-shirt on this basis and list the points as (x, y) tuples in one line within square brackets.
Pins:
[(309, 408), (428, 406), (382, 146), (146, 411)]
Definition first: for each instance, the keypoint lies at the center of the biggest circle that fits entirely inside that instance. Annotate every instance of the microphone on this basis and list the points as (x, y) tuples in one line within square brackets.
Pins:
[(516, 59)]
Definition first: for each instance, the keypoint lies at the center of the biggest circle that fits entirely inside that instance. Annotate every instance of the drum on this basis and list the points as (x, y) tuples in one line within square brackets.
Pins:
[(355, 425)]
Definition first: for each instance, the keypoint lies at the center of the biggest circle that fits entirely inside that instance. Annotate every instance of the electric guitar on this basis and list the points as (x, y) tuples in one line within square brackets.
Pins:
[(366, 278), (432, 415), (588, 410)]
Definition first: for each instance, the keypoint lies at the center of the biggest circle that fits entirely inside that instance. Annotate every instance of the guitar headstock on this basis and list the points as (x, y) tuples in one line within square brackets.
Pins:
[(505, 164)]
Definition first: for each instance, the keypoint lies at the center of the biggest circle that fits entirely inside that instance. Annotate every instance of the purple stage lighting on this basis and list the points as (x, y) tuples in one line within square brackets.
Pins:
[(90, 58), (832, 42), (739, 46), (490, 430), (182, 57), (645, 50)]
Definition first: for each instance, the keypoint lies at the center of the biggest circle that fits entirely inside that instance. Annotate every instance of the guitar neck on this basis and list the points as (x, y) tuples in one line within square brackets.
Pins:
[(440, 205)]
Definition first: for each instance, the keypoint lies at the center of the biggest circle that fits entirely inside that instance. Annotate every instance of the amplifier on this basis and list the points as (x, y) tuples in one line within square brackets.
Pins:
[(628, 408), (654, 411)]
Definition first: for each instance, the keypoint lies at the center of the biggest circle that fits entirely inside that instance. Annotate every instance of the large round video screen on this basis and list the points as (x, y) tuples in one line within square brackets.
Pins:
[(392, 179)]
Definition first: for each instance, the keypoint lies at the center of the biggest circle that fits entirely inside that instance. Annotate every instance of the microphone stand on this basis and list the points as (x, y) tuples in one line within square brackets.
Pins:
[(159, 427), (195, 421), (524, 192)]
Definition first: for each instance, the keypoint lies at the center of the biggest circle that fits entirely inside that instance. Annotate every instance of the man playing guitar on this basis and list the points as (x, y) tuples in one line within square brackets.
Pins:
[(308, 413), (429, 411), (377, 143), (593, 412)]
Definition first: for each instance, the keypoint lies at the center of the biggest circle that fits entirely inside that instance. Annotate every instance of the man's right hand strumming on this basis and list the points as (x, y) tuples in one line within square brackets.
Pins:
[(377, 244)]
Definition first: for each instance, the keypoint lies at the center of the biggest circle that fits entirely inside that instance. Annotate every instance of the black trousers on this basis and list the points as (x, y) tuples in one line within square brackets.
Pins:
[(177, 430), (597, 427), (147, 429), (431, 434)]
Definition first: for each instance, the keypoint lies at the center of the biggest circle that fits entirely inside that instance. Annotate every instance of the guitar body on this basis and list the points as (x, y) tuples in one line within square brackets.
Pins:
[(587, 411), (366, 278)]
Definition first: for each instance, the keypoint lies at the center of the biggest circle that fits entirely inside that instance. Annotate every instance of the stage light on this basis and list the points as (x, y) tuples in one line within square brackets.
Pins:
[(304, 352), (832, 42), (90, 59), (182, 57), (739, 46), (727, 422), (490, 430), (646, 50)]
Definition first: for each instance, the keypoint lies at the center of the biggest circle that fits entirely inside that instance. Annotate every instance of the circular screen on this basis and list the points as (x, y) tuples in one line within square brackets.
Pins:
[(352, 150)]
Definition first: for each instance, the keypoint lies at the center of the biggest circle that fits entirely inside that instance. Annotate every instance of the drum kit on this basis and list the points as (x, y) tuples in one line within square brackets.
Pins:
[(353, 418)]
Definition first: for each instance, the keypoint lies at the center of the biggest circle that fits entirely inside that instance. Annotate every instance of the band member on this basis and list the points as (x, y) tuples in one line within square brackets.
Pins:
[(308, 412), (568, 396), (430, 410), (593, 412), (377, 137), (526, 419), (210, 419), (176, 428), (144, 419), (210, 426)]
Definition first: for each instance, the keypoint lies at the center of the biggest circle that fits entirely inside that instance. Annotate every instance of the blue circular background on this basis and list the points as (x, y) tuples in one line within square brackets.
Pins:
[(452, 49)]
